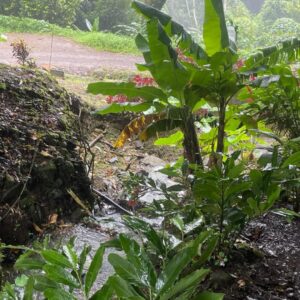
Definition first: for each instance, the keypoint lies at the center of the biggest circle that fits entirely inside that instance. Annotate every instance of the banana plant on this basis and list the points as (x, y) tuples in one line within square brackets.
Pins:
[(187, 76)]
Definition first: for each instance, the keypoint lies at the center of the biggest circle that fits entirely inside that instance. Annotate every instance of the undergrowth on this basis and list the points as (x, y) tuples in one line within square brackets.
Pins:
[(98, 40)]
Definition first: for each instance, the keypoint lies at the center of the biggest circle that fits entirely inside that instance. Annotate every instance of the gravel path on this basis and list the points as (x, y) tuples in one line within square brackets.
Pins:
[(67, 55)]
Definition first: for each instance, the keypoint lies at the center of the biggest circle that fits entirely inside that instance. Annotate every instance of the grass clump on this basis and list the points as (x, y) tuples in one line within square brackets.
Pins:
[(97, 40)]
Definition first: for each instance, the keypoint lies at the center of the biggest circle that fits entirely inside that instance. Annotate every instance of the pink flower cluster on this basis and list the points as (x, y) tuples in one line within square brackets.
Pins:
[(116, 99), (239, 64), (143, 81)]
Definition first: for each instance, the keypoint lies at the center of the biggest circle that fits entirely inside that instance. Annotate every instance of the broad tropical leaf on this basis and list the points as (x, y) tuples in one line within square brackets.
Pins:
[(215, 32), (171, 140), (116, 108), (129, 89), (159, 126), (286, 51), (186, 43), (165, 67)]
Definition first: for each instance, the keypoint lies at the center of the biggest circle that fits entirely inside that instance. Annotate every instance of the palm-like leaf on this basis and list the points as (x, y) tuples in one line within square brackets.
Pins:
[(287, 51)]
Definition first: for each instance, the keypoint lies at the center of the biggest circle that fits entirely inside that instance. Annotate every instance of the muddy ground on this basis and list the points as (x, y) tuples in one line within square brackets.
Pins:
[(67, 55)]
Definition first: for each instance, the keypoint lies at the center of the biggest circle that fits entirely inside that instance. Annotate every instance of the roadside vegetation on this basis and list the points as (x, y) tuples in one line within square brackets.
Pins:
[(105, 41)]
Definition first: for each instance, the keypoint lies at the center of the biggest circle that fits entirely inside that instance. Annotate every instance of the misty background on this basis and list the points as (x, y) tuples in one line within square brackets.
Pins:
[(258, 22)]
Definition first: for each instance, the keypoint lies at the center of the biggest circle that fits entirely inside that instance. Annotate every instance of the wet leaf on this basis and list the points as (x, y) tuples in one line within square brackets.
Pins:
[(94, 269)]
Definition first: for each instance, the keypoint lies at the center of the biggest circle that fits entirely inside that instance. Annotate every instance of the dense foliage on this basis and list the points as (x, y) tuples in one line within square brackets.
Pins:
[(214, 104)]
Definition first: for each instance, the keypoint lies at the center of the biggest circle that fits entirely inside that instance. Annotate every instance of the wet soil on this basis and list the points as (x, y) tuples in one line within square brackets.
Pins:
[(269, 267)]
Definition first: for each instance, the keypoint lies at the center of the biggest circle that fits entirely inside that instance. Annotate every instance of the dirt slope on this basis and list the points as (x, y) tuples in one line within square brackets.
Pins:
[(67, 55)]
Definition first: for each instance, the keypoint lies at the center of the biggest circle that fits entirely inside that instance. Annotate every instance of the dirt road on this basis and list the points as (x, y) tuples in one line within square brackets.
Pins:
[(67, 55)]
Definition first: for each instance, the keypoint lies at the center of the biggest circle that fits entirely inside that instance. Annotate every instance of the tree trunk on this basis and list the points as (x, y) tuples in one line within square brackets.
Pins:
[(190, 142), (221, 130)]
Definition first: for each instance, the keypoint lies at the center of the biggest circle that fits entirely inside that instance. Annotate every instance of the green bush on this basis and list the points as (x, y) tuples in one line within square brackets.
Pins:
[(275, 9), (110, 13), (98, 40), (60, 12)]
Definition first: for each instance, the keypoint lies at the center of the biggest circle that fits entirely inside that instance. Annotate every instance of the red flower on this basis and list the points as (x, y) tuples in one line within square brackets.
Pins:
[(143, 81), (239, 64), (116, 99)]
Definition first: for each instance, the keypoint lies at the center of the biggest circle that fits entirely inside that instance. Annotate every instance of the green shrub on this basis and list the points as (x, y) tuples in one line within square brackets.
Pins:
[(60, 12), (98, 40), (275, 9)]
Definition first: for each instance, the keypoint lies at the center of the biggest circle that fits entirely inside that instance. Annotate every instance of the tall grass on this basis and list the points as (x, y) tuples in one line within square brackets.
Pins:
[(98, 40)]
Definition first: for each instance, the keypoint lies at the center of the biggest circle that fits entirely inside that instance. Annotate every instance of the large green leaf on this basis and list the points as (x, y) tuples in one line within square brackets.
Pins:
[(148, 231), (94, 269), (286, 51), (215, 32), (294, 160), (173, 269), (25, 262), (148, 93), (190, 281), (105, 292), (186, 42), (56, 258), (159, 126), (124, 268), (123, 289), (58, 294), (116, 108), (29, 289), (60, 275), (165, 68), (171, 140), (42, 283)]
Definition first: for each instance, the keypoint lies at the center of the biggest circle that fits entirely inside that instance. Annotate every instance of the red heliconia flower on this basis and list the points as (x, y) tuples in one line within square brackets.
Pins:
[(116, 99), (143, 81)]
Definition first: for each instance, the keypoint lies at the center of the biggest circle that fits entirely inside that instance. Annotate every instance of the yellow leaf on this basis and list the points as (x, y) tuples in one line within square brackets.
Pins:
[(134, 127), (78, 201)]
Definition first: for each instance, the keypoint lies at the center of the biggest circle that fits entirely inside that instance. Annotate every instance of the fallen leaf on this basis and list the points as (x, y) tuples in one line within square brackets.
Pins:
[(78, 201), (53, 218), (241, 283), (37, 228), (45, 154)]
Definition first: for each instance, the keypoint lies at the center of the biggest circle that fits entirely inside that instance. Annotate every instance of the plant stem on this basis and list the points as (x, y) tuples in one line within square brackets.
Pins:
[(190, 142), (221, 227), (221, 130)]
